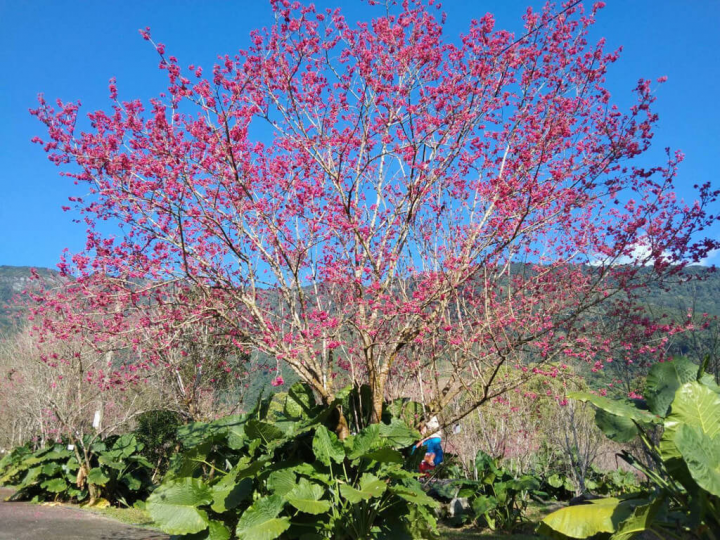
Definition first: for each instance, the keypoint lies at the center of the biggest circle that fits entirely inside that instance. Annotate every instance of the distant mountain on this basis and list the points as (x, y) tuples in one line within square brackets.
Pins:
[(700, 295), (13, 281)]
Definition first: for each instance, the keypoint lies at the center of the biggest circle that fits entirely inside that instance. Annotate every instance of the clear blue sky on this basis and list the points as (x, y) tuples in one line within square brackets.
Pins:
[(70, 49)]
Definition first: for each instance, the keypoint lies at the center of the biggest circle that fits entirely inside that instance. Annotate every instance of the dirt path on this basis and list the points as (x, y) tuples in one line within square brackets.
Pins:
[(25, 521)]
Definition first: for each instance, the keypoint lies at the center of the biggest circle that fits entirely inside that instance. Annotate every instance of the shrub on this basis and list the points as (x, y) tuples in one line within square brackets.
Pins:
[(278, 471), (119, 472), (157, 431)]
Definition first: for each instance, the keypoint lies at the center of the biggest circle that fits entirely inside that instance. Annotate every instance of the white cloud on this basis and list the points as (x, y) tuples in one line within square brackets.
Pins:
[(713, 257), (639, 254)]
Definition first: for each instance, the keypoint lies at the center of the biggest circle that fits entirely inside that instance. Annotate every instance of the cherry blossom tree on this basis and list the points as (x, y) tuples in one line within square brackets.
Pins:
[(379, 199)]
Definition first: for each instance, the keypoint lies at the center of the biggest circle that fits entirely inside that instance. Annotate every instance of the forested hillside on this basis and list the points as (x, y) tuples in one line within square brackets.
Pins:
[(14, 280), (689, 293)]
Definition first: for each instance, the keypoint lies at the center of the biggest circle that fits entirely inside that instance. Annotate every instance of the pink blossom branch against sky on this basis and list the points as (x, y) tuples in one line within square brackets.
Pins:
[(70, 51)]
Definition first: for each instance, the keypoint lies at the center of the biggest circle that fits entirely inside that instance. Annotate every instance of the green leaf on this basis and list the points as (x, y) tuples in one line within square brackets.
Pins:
[(260, 521), (31, 476), (127, 445), (663, 381), (555, 480), (483, 504), (365, 441), (216, 531), (300, 401), (133, 483), (618, 408), (111, 460), (639, 521), (196, 433), (398, 433), (232, 490), (327, 447), (50, 469), (97, 477), (57, 453), (370, 486), (385, 455), (694, 405), (414, 495), (281, 482), (229, 493), (702, 456), (616, 428), (174, 506), (525, 483), (586, 520), (55, 485), (306, 498), (255, 429)]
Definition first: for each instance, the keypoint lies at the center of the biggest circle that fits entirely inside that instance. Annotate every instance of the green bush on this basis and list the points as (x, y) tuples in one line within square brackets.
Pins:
[(157, 432), (119, 472), (281, 472), (496, 499)]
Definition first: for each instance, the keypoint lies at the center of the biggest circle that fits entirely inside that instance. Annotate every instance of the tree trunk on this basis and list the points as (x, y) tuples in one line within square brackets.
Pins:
[(342, 430), (377, 391)]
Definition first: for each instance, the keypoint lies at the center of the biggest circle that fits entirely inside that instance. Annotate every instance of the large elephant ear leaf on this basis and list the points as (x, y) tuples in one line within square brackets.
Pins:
[(663, 381), (282, 481), (300, 401), (306, 497), (228, 494), (617, 419), (587, 520), (260, 521), (695, 405), (55, 485), (701, 455), (365, 441), (97, 477), (174, 506), (639, 521), (370, 486), (255, 429), (327, 447), (616, 428), (618, 408), (398, 434)]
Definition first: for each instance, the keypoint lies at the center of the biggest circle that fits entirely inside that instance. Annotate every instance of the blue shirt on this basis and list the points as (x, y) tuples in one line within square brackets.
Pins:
[(434, 446)]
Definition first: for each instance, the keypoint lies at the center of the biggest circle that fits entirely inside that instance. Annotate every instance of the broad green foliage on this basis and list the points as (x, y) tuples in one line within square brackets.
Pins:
[(686, 478), (560, 486), (260, 521), (175, 505), (664, 380), (497, 499), (596, 517), (117, 469), (281, 472), (619, 420)]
